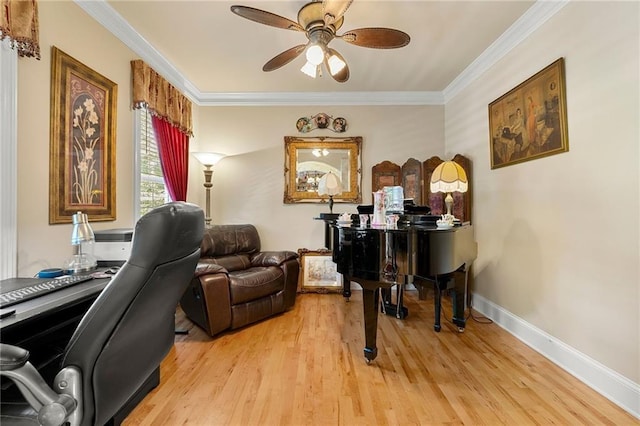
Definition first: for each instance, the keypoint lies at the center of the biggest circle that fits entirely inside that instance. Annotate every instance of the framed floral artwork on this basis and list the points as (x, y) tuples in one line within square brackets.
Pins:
[(82, 142)]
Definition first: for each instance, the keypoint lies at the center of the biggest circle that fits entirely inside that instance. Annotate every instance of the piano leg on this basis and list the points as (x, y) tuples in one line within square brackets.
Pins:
[(402, 311), (437, 299), (346, 287), (370, 301), (456, 284), (458, 297)]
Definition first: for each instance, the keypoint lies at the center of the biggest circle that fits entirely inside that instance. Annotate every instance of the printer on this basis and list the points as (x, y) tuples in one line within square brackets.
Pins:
[(113, 246)]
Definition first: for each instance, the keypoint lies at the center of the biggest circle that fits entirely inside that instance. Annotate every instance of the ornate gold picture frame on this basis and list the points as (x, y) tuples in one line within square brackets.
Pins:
[(82, 141), (530, 121), (306, 160), (318, 272)]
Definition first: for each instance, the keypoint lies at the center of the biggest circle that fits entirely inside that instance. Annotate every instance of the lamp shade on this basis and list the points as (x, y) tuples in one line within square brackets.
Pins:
[(329, 184), (208, 158), (81, 231), (449, 176)]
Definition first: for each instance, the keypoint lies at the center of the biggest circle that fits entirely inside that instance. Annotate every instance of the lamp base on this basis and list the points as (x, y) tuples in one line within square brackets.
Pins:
[(330, 203), (80, 263), (448, 201)]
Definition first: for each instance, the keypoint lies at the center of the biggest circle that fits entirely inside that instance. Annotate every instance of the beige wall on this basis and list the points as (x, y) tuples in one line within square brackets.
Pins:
[(66, 26), (558, 237), (249, 185)]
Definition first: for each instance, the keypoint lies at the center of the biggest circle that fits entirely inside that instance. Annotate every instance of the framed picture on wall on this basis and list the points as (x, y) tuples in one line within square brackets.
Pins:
[(82, 142), (318, 272), (530, 121)]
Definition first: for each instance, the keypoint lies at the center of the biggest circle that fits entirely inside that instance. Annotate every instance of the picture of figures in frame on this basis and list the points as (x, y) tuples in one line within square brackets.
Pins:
[(530, 121)]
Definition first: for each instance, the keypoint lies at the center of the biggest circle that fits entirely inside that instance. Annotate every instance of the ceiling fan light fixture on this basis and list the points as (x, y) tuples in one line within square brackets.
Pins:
[(315, 54), (309, 69), (320, 20), (335, 64)]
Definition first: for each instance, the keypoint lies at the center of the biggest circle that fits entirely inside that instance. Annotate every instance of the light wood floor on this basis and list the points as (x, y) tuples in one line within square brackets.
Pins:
[(306, 367)]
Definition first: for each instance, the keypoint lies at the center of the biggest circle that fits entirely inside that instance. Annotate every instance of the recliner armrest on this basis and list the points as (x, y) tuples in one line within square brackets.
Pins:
[(272, 258), (207, 268)]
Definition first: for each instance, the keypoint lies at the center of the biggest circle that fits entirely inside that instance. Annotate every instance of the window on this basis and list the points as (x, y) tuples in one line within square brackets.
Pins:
[(150, 189)]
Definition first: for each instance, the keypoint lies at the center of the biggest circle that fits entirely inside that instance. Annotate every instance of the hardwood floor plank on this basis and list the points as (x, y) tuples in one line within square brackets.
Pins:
[(306, 367)]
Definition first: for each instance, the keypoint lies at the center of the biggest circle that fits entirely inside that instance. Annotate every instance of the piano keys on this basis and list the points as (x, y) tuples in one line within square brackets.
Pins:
[(380, 258)]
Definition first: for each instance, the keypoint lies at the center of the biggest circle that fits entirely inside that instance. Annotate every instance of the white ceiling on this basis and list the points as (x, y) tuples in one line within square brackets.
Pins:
[(202, 47)]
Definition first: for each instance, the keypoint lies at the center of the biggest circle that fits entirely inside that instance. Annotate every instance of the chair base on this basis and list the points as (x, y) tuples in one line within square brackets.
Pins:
[(151, 383)]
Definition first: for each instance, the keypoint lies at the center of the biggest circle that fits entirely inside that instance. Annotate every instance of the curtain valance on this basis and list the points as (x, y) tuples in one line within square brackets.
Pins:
[(163, 100), (19, 23)]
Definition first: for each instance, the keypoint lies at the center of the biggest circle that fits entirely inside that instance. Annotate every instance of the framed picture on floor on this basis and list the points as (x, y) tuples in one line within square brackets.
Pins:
[(82, 142), (318, 272)]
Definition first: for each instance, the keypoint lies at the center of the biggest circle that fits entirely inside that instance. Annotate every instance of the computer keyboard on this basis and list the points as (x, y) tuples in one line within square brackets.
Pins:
[(40, 289)]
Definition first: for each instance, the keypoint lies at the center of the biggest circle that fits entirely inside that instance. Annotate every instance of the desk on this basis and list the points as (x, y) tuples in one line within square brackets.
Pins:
[(48, 321), (38, 309), (44, 325)]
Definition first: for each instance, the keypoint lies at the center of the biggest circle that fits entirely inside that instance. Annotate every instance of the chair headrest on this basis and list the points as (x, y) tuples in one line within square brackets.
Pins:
[(167, 233)]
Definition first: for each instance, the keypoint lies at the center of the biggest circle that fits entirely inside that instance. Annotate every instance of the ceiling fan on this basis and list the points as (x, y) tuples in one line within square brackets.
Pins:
[(320, 20)]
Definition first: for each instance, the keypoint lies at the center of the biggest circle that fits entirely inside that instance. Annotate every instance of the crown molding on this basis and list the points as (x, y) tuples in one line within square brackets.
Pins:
[(320, 98), (107, 16), (531, 20)]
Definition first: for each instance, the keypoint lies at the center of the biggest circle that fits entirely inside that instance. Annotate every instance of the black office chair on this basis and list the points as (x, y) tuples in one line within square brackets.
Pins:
[(112, 359)]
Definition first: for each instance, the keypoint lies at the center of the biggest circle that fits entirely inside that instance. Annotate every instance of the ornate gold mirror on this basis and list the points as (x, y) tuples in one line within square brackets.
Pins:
[(306, 160)]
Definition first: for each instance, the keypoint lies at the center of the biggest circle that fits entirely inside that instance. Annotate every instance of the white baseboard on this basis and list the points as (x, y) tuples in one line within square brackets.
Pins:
[(613, 386)]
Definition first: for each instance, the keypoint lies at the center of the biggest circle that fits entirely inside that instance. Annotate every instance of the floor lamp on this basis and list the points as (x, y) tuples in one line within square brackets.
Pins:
[(208, 160)]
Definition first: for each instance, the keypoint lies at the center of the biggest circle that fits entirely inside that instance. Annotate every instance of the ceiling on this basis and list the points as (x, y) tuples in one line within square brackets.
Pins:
[(209, 50)]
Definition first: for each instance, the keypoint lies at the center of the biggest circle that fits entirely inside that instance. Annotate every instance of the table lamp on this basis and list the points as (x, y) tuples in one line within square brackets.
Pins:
[(208, 160), (329, 184), (82, 241), (448, 177)]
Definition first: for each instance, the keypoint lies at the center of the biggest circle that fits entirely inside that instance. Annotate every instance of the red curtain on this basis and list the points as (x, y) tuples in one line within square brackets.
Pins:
[(173, 149)]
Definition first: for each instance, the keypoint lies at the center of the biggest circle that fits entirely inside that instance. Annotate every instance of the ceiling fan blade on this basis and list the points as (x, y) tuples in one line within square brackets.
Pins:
[(284, 58), (377, 38), (342, 75), (266, 18), (332, 10)]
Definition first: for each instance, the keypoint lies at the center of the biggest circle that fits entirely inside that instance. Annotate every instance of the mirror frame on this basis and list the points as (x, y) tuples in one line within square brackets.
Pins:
[(293, 143)]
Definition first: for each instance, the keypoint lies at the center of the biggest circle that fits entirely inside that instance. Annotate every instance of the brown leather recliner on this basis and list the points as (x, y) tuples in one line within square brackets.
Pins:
[(235, 283)]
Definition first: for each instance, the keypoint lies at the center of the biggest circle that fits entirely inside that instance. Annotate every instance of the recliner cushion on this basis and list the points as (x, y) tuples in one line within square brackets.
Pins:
[(223, 240), (234, 262), (272, 258), (254, 283)]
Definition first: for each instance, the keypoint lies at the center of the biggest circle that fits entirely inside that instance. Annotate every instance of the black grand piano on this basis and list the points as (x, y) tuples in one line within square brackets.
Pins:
[(412, 252)]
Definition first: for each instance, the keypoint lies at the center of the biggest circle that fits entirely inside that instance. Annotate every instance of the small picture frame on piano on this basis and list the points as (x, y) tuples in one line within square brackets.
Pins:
[(318, 272)]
